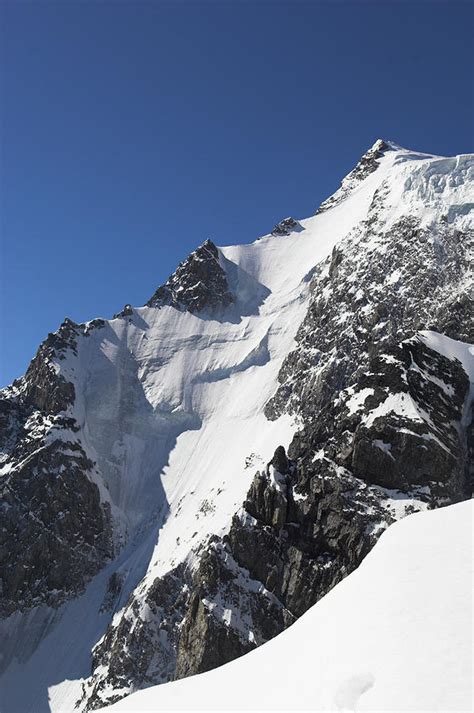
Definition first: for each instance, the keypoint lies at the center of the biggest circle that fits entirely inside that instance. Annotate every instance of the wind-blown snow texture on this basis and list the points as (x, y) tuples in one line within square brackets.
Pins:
[(396, 635), (133, 522)]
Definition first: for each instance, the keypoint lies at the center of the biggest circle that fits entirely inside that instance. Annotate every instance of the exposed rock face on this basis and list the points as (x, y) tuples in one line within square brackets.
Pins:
[(361, 306), (199, 282), (229, 613), (45, 389), (55, 532), (285, 226), (411, 435), (309, 521), (140, 649)]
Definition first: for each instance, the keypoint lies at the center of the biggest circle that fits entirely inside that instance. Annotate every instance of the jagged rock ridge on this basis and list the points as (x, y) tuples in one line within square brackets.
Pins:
[(285, 226)]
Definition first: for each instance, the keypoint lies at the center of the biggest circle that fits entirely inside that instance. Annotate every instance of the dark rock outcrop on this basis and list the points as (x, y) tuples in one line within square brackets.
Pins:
[(308, 521), (127, 311), (44, 388), (140, 649), (54, 531), (198, 283), (285, 226), (228, 615)]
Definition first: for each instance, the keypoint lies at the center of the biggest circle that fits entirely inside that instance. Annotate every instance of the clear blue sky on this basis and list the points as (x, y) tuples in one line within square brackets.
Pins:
[(132, 131)]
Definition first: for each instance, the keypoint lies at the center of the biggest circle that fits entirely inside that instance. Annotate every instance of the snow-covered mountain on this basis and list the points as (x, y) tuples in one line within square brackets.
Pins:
[(396, 635), (183, 481)]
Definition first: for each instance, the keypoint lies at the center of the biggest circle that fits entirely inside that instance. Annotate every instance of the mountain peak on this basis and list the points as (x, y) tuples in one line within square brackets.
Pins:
[(381, 145), (285, 226), (197, 283), (367, 164)]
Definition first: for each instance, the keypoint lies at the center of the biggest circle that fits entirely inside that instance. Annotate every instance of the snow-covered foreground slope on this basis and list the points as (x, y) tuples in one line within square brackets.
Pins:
[(137, 543), (395, 635)]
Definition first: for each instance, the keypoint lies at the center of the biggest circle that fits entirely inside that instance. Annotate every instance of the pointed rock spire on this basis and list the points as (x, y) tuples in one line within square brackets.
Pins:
[(199, 282), (285, 226)]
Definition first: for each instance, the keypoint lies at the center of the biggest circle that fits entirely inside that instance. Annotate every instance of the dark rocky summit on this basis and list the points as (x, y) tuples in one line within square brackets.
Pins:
[(198, 283), (285, 226)]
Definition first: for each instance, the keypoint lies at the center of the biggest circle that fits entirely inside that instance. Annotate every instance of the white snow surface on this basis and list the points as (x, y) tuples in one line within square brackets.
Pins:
[(170, 406), (395, 635)]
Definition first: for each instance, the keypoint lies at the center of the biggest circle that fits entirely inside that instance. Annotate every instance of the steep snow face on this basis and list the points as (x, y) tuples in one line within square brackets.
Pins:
[(162, 392), (166, 404), (395, 635), (165, 392)]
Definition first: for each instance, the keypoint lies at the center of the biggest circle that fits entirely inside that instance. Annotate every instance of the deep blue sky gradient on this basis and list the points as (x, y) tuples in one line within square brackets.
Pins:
[(132, 131)]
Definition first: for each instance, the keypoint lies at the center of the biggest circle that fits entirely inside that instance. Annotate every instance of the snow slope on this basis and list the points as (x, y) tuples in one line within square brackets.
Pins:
[(395, 635)]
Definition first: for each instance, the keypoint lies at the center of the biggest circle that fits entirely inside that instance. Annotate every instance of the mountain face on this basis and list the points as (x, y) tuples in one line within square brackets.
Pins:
[(182, 482)]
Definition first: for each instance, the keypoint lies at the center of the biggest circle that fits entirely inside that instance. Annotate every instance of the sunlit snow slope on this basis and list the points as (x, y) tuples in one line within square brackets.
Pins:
[(197, 387), (396, 635)]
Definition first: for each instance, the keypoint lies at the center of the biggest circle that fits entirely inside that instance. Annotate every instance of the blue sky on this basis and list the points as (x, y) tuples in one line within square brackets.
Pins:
[(132, 131)]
